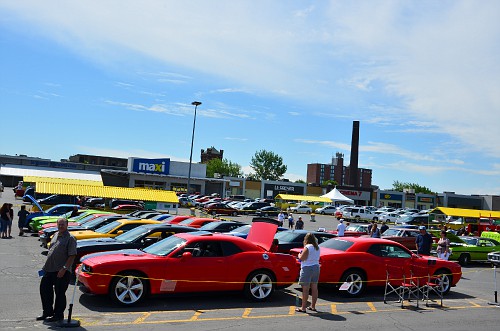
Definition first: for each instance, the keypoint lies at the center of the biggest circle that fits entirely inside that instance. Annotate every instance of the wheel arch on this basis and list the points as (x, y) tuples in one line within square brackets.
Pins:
[(136, 272)]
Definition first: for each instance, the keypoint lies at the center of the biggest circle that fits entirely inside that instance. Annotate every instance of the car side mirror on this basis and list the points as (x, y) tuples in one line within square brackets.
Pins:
[(119, 232), (186, 256)]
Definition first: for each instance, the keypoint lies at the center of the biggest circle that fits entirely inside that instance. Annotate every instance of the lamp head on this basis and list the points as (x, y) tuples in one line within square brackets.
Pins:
[(196, 103)]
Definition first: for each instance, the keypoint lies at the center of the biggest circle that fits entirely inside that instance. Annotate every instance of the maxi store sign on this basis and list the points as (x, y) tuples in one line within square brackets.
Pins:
[(152, 166)]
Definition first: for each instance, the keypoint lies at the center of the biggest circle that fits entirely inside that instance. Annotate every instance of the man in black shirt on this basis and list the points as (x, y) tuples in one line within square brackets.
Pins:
[(423, 241), (56, 274)]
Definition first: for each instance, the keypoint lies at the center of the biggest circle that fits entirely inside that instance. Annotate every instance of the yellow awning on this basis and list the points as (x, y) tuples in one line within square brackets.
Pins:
[(141, 194), (36, 179), (302, 198), (470, 213)]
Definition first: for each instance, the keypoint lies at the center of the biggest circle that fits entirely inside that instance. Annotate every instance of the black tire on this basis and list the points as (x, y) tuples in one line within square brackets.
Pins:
[(447, 279), (259, 285), (128, 289), (214, 213), (358, 279), (235, 213), (322, 213), (464, 259), (375, 219), (266, 214)]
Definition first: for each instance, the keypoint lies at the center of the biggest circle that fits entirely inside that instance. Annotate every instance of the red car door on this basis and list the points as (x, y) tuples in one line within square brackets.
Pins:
[(201, 271), (392, 259)]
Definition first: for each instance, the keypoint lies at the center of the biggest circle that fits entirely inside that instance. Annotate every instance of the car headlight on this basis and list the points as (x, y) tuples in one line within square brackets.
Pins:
[(86, 268)]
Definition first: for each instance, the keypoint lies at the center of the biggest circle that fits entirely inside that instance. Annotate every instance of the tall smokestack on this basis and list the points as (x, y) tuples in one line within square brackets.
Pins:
[(353, 178)]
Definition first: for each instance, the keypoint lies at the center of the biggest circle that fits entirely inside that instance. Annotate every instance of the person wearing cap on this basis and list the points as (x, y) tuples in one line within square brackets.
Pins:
[(341, 228), (299, 225), (291, 221), (423, 241)]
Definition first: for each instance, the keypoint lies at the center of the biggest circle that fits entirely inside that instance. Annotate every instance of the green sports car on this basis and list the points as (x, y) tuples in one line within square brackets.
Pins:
[(37, 222), (473, 249)]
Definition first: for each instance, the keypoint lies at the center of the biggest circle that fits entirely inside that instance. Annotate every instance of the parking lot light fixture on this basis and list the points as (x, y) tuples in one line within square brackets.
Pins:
[(195, 104)]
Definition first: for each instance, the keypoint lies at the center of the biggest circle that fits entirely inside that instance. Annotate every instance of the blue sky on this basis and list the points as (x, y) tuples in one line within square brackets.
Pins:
[(117, 78)]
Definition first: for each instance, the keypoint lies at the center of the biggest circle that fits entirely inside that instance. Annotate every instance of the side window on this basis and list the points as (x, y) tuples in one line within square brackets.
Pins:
[(126, 227), (228, 248), (377, 250), (396, 252), (485, 243), (205, 249)]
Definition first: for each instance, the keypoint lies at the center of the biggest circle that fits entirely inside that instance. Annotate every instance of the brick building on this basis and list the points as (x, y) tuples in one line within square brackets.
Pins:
[(317, 173)]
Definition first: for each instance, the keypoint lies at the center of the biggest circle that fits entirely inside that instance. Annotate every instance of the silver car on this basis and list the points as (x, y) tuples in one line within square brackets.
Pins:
[(330, 210)]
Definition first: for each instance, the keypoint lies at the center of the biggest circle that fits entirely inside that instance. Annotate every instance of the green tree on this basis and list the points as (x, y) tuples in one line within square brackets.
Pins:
[(329, 182), (223, 167), (267, 165), (300, 181), (401, 186)]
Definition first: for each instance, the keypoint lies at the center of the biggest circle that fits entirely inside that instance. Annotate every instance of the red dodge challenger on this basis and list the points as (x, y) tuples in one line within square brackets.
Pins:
[(359, 262), (192, 263)]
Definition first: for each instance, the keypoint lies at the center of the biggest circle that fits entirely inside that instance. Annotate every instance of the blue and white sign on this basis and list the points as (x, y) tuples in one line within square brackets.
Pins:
[(152, 166)]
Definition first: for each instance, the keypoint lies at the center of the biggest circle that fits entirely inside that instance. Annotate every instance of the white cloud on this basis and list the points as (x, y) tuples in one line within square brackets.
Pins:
[(436, 62)]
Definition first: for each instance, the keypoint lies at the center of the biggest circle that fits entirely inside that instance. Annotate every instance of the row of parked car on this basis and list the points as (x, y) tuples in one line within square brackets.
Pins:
[(174, 256), (154, 240)]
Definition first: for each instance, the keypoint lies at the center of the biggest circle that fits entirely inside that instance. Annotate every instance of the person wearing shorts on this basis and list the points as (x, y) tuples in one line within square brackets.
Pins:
[(309, 272)]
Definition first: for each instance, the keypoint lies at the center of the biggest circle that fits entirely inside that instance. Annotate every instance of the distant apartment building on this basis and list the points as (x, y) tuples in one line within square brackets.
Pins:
[(210, 154), (317, 173)]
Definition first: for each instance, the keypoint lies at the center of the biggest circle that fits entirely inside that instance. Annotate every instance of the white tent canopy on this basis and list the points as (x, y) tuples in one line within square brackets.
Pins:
[(336, 196)]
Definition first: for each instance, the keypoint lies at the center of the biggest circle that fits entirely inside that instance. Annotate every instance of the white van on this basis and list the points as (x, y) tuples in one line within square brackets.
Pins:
[(358, 214)]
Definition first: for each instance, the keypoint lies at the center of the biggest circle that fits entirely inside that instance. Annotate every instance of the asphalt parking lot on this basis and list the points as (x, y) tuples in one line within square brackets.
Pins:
[(465, 307)]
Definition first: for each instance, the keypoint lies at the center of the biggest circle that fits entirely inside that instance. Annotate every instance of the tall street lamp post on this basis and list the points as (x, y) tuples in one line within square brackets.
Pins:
[(195, 104)]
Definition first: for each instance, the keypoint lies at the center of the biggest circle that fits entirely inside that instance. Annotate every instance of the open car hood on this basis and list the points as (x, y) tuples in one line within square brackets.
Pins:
[(33, 200), (262, 232)]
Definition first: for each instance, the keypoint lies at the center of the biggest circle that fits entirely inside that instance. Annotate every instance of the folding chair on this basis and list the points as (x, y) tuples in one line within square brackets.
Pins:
[(399, 283), (433, 284), (410, 287), (393, 283)]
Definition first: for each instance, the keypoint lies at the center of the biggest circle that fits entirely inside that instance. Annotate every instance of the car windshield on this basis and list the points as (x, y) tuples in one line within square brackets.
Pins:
[(51, 209), (244, 229), (133, 234), (406, 219), (160, 217), (108, 227), (166, 246), (187, 221), (210, 226), (352, 228), (94, 222), (338, 244), (286, 236), (86, 218), (392, 232)]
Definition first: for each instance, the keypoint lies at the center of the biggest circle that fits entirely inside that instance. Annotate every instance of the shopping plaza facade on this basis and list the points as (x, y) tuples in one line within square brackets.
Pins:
[(165, 174)]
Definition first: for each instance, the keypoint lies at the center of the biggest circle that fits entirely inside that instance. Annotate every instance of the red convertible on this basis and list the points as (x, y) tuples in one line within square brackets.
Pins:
[(360, 262), (192, 263)]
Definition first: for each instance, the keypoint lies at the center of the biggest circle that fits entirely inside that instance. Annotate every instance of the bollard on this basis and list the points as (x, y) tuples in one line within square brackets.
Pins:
[(313, 218), (193, 212)]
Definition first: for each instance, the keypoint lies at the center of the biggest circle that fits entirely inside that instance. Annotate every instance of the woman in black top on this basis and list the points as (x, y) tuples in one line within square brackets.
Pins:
[(4, 219)]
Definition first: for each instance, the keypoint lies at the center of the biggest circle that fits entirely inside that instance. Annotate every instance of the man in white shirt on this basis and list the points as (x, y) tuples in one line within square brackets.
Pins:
[(341, 228), (281, 218)]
